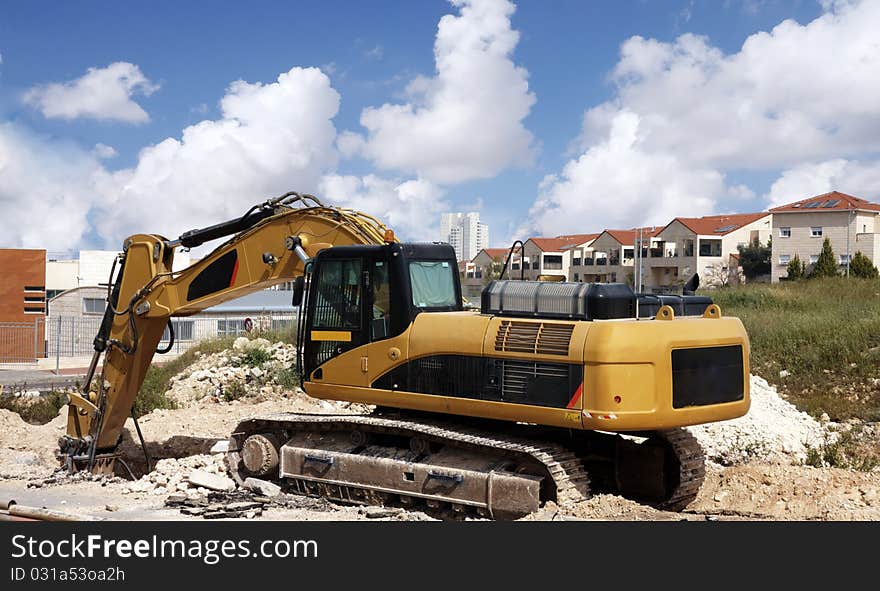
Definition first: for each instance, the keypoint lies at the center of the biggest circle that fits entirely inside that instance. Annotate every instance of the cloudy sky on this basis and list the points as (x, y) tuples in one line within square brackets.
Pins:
[(547, 117)]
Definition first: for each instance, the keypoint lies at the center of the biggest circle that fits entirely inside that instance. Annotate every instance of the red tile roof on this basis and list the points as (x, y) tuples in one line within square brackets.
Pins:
[(495, 253), (559, 243), (834, 200), (719, 225), (628, 237)]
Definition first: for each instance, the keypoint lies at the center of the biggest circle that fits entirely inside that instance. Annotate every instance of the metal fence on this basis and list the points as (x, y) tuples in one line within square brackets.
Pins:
[(22, 342), (73, 336)]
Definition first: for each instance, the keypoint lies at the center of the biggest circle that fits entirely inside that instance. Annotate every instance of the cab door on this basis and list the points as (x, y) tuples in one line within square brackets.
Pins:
[(337, 319)]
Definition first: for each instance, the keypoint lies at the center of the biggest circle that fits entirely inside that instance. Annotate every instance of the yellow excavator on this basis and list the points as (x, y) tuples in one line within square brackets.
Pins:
[(548, 391)]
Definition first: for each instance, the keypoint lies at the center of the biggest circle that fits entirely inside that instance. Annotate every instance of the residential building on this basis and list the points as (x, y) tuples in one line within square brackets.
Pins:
[(465, 233), (611, 257), (22, 304), (476, 273), (800, 228), (702, 246), (550, 258)]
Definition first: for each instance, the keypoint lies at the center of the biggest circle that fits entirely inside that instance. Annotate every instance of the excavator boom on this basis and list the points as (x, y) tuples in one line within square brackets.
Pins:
[(272, 243)]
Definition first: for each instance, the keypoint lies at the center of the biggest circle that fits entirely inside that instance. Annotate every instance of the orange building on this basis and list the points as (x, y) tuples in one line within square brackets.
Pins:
[(22, 304)]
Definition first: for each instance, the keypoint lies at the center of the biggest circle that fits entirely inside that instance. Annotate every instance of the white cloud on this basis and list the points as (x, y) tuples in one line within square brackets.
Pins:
[(683, 113), (374, 53), (101, 93), (411, 208), (859, 178), (46, 190), (465, 122), (103, 151), (617, 184), (798, 92), (271, 138)]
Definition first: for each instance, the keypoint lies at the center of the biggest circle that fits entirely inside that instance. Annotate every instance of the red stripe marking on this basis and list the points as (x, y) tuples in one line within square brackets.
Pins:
[(234, 273), (577, 396)]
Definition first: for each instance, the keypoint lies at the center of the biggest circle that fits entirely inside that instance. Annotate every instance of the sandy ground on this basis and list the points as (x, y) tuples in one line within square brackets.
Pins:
[(754, 490), (763, 476)]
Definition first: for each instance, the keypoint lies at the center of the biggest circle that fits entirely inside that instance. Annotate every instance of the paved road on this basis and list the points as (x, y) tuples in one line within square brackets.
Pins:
[(36, 379)]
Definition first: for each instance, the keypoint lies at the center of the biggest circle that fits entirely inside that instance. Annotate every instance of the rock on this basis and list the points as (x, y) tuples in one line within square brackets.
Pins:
[(784, 373), (111, 508), (221, 447), (824, 418), (241, 344), (205, 479), (256, 372), (380, 512), (262, 487)]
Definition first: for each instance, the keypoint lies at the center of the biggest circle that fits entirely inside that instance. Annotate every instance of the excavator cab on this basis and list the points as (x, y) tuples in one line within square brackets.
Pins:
[(366, 293)]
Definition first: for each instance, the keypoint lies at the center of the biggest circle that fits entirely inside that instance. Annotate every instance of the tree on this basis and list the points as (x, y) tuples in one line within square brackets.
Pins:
[(755, 259), (861, 266), (718, 275), (796, 269), (826, 266)]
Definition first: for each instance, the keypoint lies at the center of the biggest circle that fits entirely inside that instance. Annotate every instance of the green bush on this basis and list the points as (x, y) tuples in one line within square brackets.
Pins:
[(255, 357), (862, 267), (826, 266), (287, 378), (796, 269), (36, 411), (234, 390)]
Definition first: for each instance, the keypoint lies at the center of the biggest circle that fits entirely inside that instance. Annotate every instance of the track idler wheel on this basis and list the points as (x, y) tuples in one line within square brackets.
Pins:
[(259, 454)]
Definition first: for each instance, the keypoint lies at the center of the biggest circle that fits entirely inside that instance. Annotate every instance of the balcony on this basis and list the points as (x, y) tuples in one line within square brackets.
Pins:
[(656, 252)]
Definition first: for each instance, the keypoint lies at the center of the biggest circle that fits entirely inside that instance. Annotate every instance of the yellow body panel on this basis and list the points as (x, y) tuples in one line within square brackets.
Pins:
[(627, 370), (331, 335)]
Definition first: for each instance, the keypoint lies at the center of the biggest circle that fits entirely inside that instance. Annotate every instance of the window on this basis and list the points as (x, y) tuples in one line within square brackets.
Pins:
[(784, 259), (432, 284), (577, 277), (183, 330), (814, 258), (35, 288), (380, 323), (576, 262), (515, 266), (844, 259), (94, 305), (229, 327), (338, 295), (816, 231), (553, 261), (785, 232), (535, 265)]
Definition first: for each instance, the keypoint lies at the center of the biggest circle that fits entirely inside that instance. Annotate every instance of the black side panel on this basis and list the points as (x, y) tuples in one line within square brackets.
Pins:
[(497, 380), (707, 375), (216, 276)]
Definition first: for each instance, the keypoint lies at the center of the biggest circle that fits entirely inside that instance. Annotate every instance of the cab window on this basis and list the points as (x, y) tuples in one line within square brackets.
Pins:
[(433, 284), (380, 321), (338, 295)]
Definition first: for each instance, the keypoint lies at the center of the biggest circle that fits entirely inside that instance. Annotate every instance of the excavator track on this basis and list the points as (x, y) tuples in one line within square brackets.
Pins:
[(689, 472), (550, 467)]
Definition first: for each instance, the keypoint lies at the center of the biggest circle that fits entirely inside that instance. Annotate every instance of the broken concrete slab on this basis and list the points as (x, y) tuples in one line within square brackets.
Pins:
[(211, 481), (262, 487)]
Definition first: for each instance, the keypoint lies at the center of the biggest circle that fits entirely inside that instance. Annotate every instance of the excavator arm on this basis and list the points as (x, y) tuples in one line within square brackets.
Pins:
[(272, 243)]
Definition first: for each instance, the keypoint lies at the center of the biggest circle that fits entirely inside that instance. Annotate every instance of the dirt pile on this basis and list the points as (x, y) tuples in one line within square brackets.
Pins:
[(28, 451), (252, 368), (172, 475), (774, 430)]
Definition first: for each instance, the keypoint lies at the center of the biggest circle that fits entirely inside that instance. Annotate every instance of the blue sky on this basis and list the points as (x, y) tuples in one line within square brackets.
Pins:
[(566, 51)]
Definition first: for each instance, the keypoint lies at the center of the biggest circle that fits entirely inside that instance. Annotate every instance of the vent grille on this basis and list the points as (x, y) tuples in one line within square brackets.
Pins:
[(533, 337), (519, 376)]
